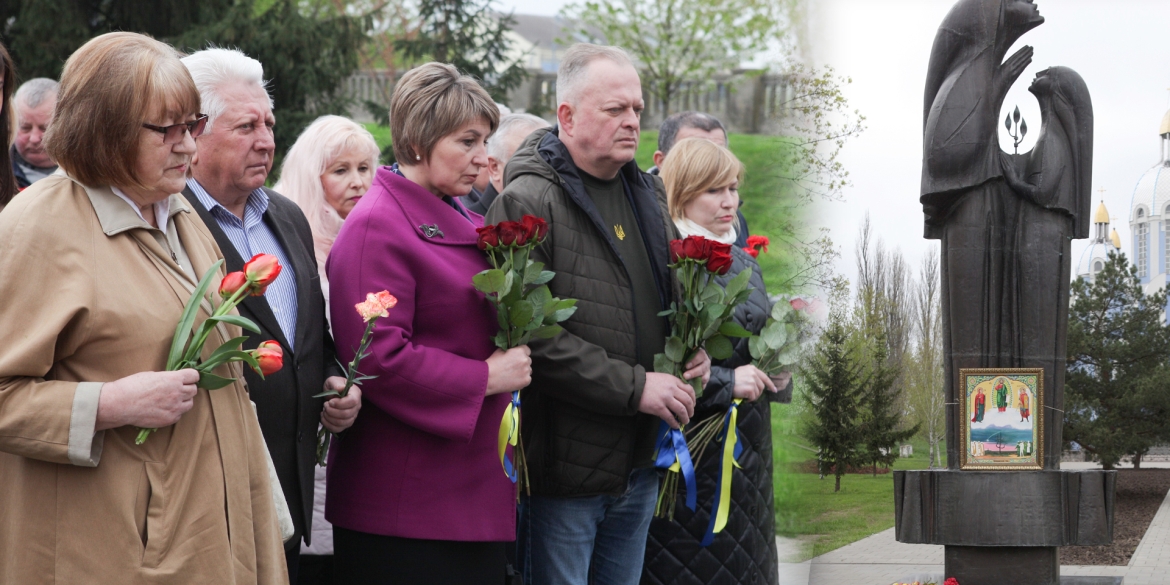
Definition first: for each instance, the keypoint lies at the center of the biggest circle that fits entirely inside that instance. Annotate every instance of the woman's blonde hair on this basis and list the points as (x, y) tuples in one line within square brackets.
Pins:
[(430, 102), (318, 147), (111, 86), (694, 166)]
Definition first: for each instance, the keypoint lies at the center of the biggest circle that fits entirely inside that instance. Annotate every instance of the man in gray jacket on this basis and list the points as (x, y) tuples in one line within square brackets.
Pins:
[(592, 413)]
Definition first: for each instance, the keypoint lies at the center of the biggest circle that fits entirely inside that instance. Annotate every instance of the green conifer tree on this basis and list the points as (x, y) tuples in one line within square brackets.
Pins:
[(880, 418), (833, 389)]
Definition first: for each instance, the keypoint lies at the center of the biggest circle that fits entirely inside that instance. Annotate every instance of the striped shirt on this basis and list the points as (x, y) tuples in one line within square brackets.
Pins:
[(252, 236)]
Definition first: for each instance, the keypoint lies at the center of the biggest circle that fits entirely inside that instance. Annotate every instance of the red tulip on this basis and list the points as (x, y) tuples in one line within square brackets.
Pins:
[(270, 357), (676, 251), (719, 260), (511, 233), (232, 283), (489, 237), (262, 269), (535, 227)]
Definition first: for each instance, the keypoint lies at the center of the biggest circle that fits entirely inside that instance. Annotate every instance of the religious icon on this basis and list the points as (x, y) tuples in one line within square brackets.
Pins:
[(1004, 437)]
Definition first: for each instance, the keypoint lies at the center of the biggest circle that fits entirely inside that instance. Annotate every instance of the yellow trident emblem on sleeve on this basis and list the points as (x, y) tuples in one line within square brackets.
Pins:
[(621, 233)]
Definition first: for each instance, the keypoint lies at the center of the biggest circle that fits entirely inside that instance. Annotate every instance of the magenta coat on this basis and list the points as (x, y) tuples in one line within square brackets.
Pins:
[(421, 459)]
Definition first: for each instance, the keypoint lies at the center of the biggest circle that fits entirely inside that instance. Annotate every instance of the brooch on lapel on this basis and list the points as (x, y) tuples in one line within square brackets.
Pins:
[(431, 230)]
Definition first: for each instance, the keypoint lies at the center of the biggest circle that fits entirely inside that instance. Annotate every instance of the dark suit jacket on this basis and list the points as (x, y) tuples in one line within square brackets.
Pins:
[(484, 202), (285, 405)]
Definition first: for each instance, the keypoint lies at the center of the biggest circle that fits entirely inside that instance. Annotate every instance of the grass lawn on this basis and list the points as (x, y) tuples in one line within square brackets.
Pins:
[(808, 509)]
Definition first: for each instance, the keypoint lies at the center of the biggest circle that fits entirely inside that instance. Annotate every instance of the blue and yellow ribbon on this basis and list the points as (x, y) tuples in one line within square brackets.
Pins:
[(509, 435), (721, 505), (673, 455)]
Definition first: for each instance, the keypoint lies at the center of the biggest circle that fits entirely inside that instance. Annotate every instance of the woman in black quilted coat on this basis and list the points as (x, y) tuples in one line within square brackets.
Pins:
[(701, 180)]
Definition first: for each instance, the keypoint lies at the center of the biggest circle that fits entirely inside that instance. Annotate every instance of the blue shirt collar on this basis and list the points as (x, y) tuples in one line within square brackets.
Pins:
[(257, 200)]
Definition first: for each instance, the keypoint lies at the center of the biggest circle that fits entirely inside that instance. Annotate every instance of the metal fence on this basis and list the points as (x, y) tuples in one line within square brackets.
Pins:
[(747, 102)]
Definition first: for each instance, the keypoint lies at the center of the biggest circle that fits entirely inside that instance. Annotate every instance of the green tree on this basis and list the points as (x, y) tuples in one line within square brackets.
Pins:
[(925, 368), (1115, 389), (470, 35), (833, 391), (681, 42), (881, 416)]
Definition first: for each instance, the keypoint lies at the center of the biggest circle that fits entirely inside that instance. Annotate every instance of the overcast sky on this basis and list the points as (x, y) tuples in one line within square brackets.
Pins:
[(1120, 48)]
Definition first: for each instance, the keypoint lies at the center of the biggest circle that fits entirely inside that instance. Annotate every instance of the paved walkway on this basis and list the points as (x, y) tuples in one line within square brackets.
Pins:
[(880, 560)]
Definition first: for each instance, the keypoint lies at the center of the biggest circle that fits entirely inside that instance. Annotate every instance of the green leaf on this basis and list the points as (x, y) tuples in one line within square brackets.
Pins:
[(662, 364), (739, 284), (488, 281), (219, 358), (719, 347), (774, 335), (675, 350), (521, 313), (712, 292), (242, 322), (507, 290), (209, 381), (545, 277), (187, 320), (547, 332), (228, 346), (756, 347), (328, 393), (501, 340), (532, 272), (541, 300), (733, 329), (781, 310), (712, 318), (563, 314), (666, 313)]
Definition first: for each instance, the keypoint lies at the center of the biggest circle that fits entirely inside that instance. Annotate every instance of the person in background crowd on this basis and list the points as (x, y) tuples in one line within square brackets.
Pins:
[(481, 182), (8, 186), (33, 104), (684, 125), (702, 185), (592, 413), (226, 189), (96, 264), (416, 491), (513, 129), (326, 172)]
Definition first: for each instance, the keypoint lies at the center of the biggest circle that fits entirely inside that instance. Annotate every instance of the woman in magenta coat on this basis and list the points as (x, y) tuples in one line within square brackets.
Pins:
[(416, 492)]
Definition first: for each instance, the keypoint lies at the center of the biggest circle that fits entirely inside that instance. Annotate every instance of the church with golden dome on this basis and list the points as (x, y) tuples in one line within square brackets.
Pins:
[(1103, 241), (1149, 218)]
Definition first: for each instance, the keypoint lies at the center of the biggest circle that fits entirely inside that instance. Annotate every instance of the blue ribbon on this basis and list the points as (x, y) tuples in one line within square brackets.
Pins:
[(728, 427), (672, 451)]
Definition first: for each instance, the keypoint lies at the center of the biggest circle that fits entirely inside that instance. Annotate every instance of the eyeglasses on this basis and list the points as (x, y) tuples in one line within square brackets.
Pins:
[(174, 133)]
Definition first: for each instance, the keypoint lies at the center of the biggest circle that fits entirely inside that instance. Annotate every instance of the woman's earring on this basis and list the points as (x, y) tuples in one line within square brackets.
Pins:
[(417, 157)]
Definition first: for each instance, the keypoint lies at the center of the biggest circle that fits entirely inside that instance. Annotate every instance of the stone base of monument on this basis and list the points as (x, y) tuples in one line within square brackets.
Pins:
[(1004, 526), (1078, 580)]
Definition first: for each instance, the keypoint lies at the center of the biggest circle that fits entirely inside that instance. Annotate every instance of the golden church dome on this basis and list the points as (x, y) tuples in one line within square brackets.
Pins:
[(1113, 237), (1102, 215), (1165, 127)]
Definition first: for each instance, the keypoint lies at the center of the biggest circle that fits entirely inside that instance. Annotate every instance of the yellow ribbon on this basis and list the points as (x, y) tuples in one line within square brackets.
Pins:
[(509, 434), (722, 505)]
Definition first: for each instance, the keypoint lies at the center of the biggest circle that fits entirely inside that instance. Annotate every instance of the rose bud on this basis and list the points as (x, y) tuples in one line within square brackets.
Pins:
[(270, 357), (535, 227), (232, 283), (695, 248), (489, 237), (719, 261), (386, 299), (262, 269), (509, 231), (676, 251)]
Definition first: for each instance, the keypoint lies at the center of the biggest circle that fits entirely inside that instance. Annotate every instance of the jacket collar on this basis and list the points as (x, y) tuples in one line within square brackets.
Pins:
[(114, 215), (430, 217)]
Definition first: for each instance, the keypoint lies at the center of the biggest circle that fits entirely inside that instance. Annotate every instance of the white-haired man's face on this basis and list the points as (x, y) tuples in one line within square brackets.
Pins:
[(31, 124), (235, 154), (601, 130)]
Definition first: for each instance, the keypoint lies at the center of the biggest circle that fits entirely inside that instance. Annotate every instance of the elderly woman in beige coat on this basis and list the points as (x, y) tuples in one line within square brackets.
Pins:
[(96, 263)]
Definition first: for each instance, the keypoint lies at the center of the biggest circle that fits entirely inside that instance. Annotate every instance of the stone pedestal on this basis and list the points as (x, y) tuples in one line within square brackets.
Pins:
[(996, 523)]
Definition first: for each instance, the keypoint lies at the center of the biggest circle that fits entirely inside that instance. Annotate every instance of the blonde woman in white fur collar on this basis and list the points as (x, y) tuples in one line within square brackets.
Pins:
[(702, 184)]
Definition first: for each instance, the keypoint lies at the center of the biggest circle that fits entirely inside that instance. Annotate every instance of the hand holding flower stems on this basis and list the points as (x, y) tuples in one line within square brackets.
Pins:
[(525, 309), (186, 351), (375, 306)]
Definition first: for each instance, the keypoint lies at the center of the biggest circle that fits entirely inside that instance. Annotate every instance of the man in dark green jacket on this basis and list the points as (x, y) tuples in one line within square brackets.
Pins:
[(592, 412)]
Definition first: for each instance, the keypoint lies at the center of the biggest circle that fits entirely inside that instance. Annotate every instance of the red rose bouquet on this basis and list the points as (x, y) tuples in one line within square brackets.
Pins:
[(525, 308), (375, 306), (701, 318), (187, 345)]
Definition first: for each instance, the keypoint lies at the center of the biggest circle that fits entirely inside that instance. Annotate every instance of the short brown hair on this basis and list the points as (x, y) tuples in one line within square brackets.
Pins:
[(694, 166), (430, 102), (111, 86)]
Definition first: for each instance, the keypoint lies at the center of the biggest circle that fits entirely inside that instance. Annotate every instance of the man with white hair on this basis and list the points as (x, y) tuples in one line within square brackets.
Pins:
[(226, 188), (592, 412), (501, 146), (33, 104)]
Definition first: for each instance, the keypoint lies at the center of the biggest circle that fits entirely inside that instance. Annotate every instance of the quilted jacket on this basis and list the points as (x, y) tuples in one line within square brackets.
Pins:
[(580, 424), (745, 551)]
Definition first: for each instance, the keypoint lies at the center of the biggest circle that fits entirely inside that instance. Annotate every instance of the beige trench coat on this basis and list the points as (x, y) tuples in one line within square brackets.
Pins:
[(90, 293)]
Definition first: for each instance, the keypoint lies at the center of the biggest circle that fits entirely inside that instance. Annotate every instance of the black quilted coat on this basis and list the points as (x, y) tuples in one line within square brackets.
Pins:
[(745, 551), (582, 431)]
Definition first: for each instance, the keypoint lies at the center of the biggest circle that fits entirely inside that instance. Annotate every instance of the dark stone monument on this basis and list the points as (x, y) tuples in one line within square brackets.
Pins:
[(1005, 223)]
